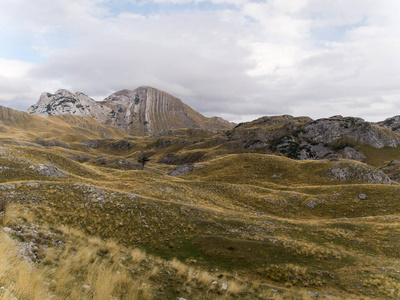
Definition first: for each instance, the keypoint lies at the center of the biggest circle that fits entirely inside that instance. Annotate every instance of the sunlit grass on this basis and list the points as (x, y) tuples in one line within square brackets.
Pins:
[(103, 232)]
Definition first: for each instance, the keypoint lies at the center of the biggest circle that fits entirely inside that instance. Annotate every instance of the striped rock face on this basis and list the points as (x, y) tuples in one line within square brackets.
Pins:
[(143, 111)]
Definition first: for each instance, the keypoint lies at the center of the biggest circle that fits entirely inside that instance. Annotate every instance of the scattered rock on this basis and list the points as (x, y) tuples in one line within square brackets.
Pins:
[(345, 171), (50, 171), (214, 282), (182, 170), (275, 176), (362, 197), (7, 187), (383, 269), (311, 204), (86, 287), (7, 229), (224, 286)]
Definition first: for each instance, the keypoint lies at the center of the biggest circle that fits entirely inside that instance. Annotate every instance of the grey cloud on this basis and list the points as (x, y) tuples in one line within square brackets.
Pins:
[(205, 58), (202, 60)]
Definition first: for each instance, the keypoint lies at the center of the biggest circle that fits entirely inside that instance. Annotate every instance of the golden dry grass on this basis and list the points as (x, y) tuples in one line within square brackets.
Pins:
[(141, 234)]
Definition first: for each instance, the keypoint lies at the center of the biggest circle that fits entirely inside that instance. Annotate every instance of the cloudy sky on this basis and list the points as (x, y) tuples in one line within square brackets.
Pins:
[(232, 58)]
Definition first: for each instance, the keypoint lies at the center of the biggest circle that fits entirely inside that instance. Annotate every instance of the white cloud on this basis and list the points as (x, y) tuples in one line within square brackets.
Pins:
[(304, 57), (14, 68)]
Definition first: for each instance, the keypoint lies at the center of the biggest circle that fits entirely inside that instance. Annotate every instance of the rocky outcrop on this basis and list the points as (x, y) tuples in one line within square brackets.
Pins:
[(338, 129), (44, 170), (182, 170), (64, 102), (392, 169), (143, 111), (392, 123), (345, 171), (303, 138)]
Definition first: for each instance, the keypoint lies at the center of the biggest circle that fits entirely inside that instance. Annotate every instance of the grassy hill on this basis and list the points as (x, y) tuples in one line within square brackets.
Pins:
[(202, 220)]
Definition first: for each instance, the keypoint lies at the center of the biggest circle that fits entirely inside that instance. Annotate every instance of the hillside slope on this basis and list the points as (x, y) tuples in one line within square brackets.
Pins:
[(24, 126), (211, 215), (225, 226)]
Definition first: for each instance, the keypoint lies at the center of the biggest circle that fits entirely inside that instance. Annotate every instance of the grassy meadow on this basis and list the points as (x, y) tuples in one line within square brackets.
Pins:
[(82, 220)]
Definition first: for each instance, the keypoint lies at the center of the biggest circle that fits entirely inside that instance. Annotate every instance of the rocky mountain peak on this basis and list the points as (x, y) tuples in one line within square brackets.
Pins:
[(65, 102), (143, 111)]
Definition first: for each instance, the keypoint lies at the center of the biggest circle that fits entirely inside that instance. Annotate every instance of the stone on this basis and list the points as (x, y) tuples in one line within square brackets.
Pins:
[(345, 171), (181, 170), (362, 197), (311, 204), (7, 229), (224, 286), (50, 171)]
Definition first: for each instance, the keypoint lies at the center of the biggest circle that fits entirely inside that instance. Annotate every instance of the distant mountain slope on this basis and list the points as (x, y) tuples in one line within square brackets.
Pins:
[(393, 123), (21, 125), (143, 111), (304, 138)]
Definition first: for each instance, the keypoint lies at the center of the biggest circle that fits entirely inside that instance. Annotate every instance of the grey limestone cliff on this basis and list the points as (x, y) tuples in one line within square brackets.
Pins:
[(143, 111), (64, 102), (304, 138)]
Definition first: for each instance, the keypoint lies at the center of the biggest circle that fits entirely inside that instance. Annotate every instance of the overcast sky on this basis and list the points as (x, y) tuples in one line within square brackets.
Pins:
[(232, 58)]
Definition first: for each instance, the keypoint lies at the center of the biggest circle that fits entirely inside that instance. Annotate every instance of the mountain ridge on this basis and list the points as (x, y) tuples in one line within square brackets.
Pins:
[(143, 111)]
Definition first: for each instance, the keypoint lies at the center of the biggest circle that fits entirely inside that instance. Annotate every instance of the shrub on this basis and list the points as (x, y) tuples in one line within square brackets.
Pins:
[(143, 159), (4, 202)]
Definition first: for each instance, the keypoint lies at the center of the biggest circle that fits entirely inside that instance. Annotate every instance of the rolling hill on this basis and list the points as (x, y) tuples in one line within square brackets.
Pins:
[(277, 208)]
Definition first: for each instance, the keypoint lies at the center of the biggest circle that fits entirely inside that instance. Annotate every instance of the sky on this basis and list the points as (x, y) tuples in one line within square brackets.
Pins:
[(236, 59)]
